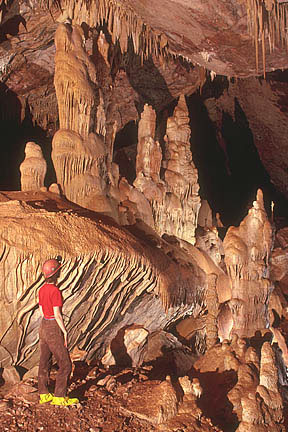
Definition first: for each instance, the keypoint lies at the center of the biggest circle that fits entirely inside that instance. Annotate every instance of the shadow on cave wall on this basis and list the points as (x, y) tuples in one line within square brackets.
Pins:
[(247, 172), (15, 133), (230, 170), (125, 151), (157, 94), (214, 402)]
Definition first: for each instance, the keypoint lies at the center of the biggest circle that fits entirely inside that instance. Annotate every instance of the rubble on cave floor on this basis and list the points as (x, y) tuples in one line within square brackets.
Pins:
[(139, 399), (104, 394)]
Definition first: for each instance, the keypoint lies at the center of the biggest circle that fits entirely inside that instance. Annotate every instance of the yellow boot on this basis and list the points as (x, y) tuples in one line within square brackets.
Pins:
[(64, 401), (45, 397)]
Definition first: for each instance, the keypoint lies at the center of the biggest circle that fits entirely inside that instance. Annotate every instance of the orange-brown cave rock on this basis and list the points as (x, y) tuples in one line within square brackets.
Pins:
[(145, 144), (106, 272)]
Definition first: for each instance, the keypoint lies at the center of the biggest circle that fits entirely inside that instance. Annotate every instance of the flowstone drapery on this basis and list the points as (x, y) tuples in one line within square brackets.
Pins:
[(110, 278), (78, 154)]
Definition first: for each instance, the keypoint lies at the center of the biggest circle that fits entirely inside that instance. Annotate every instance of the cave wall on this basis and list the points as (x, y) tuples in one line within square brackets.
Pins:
[(110, 278), (263, 108)]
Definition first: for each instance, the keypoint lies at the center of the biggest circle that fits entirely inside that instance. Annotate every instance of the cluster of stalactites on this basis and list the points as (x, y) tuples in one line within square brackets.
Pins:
[(75, 81), (78, 153), (123, 24), (267, 19), (174, 198)]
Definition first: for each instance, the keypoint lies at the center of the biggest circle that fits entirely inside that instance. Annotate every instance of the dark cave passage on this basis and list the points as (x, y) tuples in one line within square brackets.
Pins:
[(125, 151), (15, 133), (229, 167)]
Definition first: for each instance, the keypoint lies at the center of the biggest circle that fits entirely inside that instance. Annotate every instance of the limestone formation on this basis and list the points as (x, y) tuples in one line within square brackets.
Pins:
[(181, 176), (55, 188), (110, 279), (247, 251), (33, 168), (153, 401), (78, 152), (125, 348), (10, 375), (205, 215), (265, 408), (207, 239), (255, 395), (174, 199), (279, 271), (75, 80)]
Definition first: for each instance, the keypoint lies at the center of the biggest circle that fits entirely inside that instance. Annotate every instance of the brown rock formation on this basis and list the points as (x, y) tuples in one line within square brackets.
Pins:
[(181, 176), (247, 250), (174, 199), (279, 263), (189, 31), (123, 286), (255, 394), (110, 278), (153, 401), (33, 168), (265, 408), (79, 154), (75, 80)]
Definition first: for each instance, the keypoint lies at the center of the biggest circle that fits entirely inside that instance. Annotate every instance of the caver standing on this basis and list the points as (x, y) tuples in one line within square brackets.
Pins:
[(53, 339)]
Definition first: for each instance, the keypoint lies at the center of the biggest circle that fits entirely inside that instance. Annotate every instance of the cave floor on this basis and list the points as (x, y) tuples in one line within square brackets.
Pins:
[(101, 408)]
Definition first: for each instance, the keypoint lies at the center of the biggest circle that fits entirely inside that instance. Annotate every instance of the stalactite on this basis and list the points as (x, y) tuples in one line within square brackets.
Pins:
[(122, 23), (271, 25)]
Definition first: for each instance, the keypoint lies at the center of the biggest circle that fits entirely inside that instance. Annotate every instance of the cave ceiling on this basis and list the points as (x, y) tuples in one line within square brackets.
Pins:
[(155, 55)]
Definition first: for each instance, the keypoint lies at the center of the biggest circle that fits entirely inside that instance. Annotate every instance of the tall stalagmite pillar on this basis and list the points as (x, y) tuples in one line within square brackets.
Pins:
[(247, 251), (174, 198)]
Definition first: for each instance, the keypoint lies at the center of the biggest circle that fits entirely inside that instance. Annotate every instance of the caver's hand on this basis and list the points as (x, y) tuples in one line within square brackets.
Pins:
[(66, 339)]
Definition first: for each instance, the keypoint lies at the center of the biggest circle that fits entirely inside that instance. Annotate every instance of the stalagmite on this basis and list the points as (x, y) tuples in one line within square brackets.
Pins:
[(181, 176), (255, 396), (103, 47), (205, 215), (247, 251), (263, 409), (174, 199), (33, 168)]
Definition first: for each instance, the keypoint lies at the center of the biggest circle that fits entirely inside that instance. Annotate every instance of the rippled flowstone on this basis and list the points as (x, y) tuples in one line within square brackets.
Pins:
[(110, 278)]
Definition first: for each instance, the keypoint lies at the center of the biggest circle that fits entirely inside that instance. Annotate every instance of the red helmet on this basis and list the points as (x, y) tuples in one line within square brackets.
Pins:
[(50, 267)]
